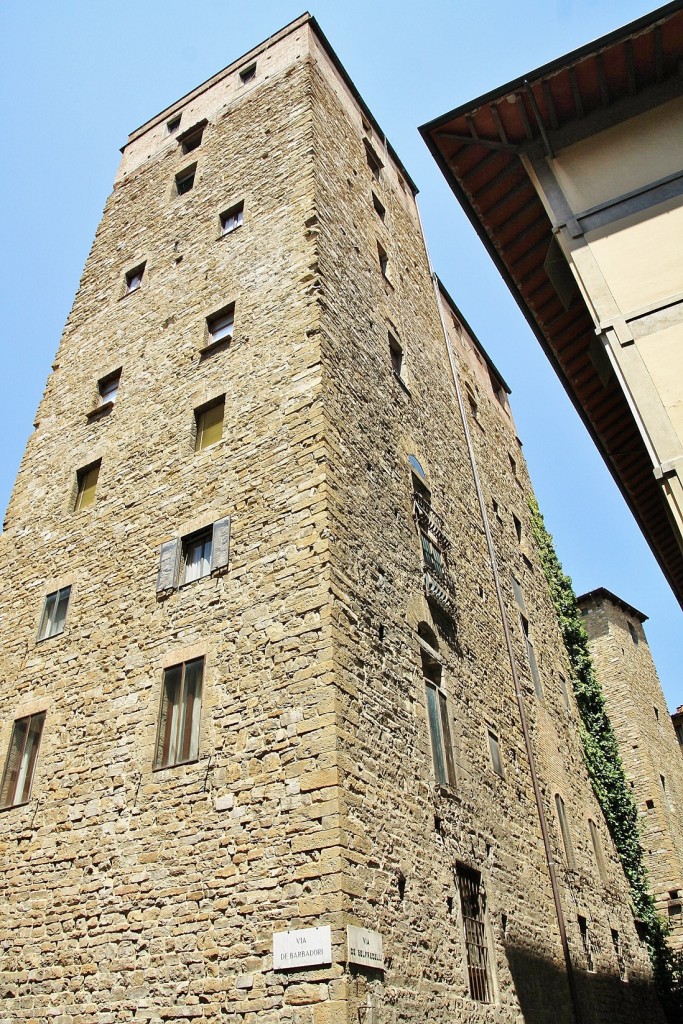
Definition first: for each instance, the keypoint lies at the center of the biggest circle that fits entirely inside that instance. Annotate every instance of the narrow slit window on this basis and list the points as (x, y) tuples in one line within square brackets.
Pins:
[(209, 422), (232, 218), (564, 829), (54, 613), (374, 162), (597, 849), (134, 278), (473, 910), (184, 180), (383, 261), (494, 750), (379, 208), (531, 658), (180, 714), (586, 942), (21, 760), (87, 486), (395, 354)]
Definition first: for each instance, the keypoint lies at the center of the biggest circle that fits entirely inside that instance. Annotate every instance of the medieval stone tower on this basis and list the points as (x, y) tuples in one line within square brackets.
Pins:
[(285, 711), (647, 741)]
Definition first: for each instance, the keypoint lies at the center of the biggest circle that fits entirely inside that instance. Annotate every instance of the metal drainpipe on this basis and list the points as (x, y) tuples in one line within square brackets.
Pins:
[(571, 981)]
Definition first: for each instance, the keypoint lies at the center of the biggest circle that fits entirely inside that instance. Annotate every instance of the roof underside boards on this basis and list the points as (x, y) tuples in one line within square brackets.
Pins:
[(478, 148)]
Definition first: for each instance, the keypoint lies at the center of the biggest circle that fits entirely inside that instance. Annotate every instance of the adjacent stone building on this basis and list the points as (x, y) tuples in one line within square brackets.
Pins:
[(288, 728), (647, 741)]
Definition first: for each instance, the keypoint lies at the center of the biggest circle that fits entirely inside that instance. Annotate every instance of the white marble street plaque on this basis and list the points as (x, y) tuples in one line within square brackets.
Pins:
[(365, 947), (302, 948)]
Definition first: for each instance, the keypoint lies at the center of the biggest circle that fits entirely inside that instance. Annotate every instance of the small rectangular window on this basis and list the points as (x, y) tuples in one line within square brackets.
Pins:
[(395, 354), (54, 613), (586, 942), (209, 423), (374, 162), (619, 953), (232, 218), (494, 750), (179, 714), (21, 760), (564, 829), (108, 388), (516, 587), (191, 140), (87, 486), (379, 208), (248, 73), (221, 325), (197, 555), (184, 180), (134, 278), (473, 910), (173, 125)]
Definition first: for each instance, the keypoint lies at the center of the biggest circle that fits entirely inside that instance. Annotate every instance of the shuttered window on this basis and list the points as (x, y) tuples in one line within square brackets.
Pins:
[(21, 760), (187, 559), (179, 714), (54, 613), (87, 486), (209, 421)]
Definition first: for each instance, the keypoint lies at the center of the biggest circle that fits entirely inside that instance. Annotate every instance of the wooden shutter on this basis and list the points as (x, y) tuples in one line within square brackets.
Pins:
[(169, 560), (220, 548)]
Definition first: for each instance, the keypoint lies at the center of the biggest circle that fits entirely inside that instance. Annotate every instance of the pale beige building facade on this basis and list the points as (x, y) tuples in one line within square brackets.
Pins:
[(573, 176), (285, 709)]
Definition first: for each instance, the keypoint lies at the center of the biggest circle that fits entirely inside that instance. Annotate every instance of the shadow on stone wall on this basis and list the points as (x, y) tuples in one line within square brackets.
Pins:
[(544, 998)]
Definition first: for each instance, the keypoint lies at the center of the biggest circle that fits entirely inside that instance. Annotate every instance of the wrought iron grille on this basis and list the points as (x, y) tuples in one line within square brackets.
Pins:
[(473, 908), (429, 521)]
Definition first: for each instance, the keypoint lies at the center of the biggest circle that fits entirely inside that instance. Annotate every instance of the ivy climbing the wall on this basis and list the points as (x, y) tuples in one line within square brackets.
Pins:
[(607, 772)]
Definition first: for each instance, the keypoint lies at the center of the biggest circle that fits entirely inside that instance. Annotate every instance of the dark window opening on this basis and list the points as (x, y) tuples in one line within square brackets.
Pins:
[(184, 180), (379, 208), (248, 73), (473, 909)]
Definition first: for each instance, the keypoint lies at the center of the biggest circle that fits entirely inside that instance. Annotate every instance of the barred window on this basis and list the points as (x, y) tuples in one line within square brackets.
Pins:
[(473, 909)]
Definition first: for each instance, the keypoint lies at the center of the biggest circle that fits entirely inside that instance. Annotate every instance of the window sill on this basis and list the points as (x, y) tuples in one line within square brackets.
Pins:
[(403, 384), (176, 764), (42, 639), (99, 411), (126, 295), (226, 234), (11, 807), (215, 346)]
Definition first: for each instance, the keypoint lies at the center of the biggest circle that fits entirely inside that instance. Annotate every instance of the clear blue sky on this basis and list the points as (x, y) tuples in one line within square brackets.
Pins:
[(76, 76)]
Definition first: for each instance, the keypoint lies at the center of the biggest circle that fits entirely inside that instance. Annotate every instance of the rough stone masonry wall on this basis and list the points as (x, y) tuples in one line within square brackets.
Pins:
[(129, 893), (404, 836), (648, 746)]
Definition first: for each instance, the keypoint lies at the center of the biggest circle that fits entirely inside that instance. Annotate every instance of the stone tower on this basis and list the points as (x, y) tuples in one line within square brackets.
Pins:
[(285, 705), (647, 741)]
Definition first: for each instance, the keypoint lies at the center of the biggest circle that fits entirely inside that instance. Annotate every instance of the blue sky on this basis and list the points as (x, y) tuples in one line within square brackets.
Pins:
[(77, 76)]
